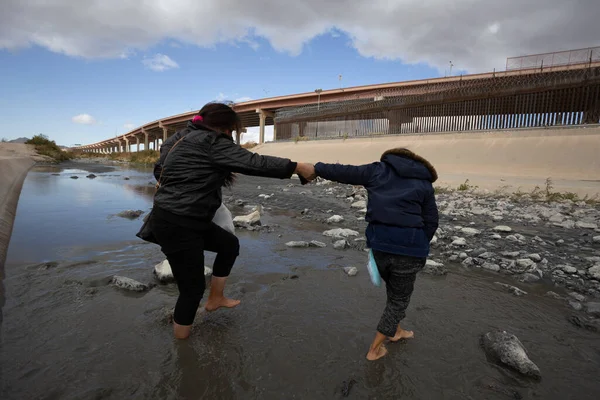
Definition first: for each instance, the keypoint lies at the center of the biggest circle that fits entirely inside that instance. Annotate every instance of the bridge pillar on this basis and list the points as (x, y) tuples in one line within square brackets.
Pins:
[(395, 121), (274, 132), (262, 115), (137, 143), (145, 139), (301, 126), (165, 134), (127, 148)]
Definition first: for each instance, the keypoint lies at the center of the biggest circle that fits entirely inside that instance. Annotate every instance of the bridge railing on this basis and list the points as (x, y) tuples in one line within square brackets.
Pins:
[(556, 59)]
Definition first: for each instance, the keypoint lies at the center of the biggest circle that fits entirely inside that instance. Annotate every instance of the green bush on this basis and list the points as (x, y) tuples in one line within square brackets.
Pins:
[(47, 147)]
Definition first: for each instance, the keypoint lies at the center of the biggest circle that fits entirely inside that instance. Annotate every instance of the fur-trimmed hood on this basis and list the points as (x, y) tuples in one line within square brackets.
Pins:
[(409, 164)]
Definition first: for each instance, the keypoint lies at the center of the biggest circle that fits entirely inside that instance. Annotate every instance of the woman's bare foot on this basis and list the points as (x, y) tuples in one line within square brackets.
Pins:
[(402, 334), (377, 353), (216, 303)]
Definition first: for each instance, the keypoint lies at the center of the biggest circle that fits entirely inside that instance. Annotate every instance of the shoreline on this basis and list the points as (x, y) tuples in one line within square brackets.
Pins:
[(15, 162)]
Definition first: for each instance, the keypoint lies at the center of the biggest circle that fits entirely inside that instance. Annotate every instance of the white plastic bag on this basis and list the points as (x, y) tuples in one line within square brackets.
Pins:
[(224, 219), (373, 271)]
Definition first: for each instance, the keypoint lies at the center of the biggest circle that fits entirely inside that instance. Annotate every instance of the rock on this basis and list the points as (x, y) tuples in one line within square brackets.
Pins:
[(340, 233), (340, 244), (525, 263), (434, 268), (162, 272), (351, 271), (535, 257), (434, 240), (130, 214), (503, 228), (359, 204), (596, 239), (529, 278), (491, 266), (460, 242), (129, 284), (557, 218), (554, 295), (470, 231), (91, 176), (251, 219), (468, 261), (569, 269), (568, 224), (593, 308), (508, 349), (297, 244), (266, 196), (495, 236), (486, 255), (74, 177), (576, 305), (126, 178), (335, 219), (316, 243), (586, 225), (577, 296), (240, 203), (463, 255), (511, 254), (511, 289), (594, 272), (585, 323)]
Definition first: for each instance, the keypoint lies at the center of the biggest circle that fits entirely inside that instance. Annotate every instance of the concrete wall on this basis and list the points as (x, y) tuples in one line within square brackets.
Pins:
[(514, 159), (12, 174)]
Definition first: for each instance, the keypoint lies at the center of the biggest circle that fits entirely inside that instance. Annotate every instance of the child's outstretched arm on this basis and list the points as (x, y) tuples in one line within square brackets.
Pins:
[(349, 174)]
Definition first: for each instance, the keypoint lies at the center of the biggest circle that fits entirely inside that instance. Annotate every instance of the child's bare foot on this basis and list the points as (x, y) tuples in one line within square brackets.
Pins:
[(214, 304), (376, 354), (402, 334)]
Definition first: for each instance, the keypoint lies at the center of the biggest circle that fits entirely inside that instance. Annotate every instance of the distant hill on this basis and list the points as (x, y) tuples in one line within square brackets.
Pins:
[(19, 140)]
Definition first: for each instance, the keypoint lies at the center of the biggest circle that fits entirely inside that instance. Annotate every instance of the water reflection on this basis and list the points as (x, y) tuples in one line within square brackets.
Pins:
[(56, 212)]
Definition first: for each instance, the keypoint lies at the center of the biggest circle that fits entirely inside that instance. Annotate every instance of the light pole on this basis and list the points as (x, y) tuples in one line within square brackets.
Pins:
[(318, 92), (451, 65)]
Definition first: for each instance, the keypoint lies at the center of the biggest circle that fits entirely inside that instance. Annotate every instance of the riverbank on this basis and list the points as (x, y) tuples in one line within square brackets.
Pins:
[(515, 160), (15, 160)]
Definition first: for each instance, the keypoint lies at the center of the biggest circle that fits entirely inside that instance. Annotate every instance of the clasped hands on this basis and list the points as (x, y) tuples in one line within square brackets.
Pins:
[(306, 170)]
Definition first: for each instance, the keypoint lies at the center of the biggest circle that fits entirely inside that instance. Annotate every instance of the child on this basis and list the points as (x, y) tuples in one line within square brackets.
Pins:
[(403, 217)]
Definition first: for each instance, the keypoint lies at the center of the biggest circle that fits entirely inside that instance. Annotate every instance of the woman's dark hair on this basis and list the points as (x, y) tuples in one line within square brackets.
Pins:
[(221, 117)]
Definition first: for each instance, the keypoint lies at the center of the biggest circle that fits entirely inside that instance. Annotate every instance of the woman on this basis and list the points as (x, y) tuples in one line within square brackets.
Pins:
[(195, 164), (403, 217)]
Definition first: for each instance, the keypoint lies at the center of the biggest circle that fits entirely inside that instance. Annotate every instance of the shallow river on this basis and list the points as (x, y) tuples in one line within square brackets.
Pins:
[(302, 329)]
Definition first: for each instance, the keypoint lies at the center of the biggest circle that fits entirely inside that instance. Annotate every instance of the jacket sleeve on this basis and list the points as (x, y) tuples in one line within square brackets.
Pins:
[(230, 156), (349, 174), (164, 150), (430, 215)]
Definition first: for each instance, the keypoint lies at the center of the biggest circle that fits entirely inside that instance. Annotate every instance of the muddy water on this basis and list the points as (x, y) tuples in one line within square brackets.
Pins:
[(302, 330)]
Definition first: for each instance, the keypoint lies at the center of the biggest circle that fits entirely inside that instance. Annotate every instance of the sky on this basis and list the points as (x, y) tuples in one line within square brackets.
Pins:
[(81, 72)]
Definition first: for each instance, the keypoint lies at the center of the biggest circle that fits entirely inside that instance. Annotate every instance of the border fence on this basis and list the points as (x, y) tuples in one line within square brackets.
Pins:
[(505, 101)]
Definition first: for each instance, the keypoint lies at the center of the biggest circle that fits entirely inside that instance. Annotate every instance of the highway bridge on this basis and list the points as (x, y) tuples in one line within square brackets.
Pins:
[(527, 94)]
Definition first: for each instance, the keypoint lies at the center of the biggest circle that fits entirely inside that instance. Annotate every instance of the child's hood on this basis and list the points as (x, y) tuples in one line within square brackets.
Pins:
[(409, 165)]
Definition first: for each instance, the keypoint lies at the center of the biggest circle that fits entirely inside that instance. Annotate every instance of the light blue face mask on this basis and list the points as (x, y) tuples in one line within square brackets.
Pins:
[(373, 271)]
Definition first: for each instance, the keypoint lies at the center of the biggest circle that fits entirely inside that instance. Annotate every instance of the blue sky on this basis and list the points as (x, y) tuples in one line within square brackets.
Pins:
[(43, 91), (80, 72)]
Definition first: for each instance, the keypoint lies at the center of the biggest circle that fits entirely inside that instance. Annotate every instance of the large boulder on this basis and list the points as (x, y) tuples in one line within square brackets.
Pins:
[(251, 219), (507, 349), (129, 284), (340, 233)]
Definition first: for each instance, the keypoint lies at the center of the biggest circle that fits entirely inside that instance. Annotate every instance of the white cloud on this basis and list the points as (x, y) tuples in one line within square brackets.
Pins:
[(160, 63), (129, 127), (84, 119), (475, 35)]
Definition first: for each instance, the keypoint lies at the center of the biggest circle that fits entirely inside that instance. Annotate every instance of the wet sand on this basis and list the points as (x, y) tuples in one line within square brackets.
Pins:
[(303, 327)]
